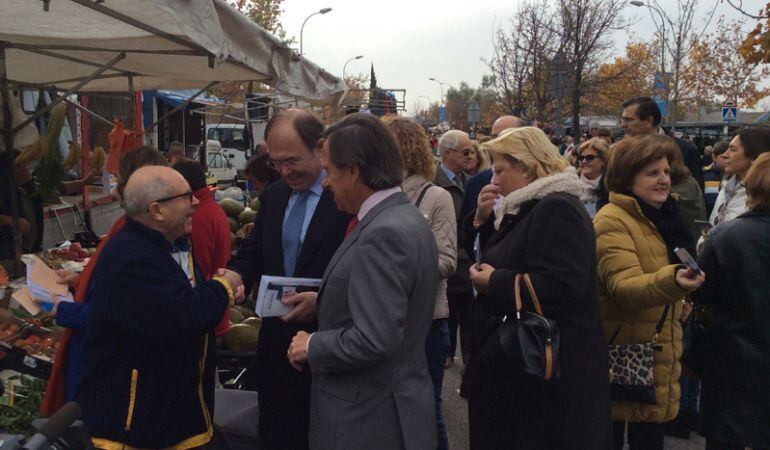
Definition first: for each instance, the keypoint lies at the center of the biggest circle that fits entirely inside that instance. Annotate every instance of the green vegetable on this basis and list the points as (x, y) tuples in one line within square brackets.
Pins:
[(29, 396)]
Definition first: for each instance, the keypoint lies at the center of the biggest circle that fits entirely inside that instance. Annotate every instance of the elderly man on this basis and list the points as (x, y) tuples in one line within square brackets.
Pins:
[(456, 150), (296, 232), (149, 351), (371, 388)]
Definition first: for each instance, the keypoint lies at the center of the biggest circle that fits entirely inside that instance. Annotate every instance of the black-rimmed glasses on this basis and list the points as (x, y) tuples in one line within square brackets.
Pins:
[(188, 194)]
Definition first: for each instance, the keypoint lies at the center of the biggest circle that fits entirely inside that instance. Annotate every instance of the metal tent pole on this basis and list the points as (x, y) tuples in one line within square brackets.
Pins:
[(7, 157)]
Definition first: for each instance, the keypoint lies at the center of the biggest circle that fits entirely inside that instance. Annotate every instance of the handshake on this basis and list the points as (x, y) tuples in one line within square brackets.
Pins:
[(236, 283)]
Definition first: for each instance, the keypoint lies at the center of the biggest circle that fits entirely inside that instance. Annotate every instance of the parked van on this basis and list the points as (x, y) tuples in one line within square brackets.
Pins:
[(226, 151)]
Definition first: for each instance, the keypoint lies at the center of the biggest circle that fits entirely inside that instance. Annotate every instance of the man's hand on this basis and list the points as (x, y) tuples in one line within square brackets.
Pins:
[(304, 307), (297, 352), (480, 278), (68, 277), (236, 282)]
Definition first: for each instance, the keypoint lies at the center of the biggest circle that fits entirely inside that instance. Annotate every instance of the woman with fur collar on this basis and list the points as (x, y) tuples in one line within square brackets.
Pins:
[(542, 229)]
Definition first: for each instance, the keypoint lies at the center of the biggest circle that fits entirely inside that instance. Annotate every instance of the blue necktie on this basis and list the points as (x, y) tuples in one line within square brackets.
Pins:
[(292, 232)]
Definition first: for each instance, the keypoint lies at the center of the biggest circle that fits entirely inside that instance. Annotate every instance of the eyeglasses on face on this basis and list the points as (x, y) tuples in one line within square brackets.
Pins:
[(188, 194), (288, 162), (466, 153), (585, 159)]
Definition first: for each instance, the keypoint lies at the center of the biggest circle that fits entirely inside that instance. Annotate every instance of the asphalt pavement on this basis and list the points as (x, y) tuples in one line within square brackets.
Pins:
[(456, 416)]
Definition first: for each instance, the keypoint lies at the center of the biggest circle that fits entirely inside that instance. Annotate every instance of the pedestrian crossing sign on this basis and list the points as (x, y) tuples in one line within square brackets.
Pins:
[(729, 114)]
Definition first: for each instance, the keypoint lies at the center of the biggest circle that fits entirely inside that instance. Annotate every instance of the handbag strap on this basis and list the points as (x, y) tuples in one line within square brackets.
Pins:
[(422, 194), (662, 320), (532, 294), (658, 327)]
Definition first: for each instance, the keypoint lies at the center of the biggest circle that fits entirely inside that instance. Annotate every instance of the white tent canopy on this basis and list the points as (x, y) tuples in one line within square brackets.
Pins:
[(152, 44)]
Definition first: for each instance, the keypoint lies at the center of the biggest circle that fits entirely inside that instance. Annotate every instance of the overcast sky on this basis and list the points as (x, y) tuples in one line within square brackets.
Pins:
[(410, 41)]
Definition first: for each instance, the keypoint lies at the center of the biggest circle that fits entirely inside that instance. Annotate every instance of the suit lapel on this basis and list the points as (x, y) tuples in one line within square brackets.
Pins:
[(393, 200)]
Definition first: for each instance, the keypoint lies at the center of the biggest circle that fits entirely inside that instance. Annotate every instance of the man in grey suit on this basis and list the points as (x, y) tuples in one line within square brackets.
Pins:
[(371, 389)]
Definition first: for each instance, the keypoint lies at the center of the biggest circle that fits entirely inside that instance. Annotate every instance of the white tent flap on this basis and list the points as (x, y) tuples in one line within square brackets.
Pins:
[(169, 44)]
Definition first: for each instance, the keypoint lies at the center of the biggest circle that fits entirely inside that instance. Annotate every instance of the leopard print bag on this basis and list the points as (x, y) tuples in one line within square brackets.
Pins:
[(632, 378)]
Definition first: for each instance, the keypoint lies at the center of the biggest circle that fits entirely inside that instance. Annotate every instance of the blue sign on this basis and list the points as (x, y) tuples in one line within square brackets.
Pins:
[(441, 114), (662, 104), (729, 114), (474, 112)]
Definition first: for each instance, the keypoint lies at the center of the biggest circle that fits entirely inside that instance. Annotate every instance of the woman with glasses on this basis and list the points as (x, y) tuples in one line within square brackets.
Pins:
[(592, 159), (479, 161)]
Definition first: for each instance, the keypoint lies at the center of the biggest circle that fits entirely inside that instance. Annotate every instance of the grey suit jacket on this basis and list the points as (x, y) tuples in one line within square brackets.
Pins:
[(371, 389)]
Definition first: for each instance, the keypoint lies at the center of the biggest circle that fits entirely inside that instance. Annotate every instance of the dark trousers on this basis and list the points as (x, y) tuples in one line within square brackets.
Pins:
[(436, 350), (284, 416), (641, 435), (459, 317), (690, 393)]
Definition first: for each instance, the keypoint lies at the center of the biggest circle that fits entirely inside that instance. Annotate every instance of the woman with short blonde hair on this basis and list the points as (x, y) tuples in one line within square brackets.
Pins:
[(530, 147), (480, 161), (592, 158), (540, 230)]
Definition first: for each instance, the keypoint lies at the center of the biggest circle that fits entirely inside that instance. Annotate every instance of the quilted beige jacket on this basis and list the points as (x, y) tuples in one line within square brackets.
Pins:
[(437, 208)]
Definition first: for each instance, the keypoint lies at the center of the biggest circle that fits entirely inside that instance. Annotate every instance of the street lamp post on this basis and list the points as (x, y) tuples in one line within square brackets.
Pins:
[(662, 30), (441, 83), (321, 11), (663, 19), (346, 64)]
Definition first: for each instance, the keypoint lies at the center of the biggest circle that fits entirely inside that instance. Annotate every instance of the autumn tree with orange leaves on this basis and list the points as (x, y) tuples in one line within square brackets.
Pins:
[(756, 46), (719, 69), (628, 76)]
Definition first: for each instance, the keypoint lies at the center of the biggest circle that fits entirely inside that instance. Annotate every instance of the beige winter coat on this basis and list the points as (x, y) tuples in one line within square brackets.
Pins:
[(438, 209)]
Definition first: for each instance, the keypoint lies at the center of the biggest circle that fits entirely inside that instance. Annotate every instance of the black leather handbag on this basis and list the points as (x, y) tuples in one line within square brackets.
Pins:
[(527, 343)]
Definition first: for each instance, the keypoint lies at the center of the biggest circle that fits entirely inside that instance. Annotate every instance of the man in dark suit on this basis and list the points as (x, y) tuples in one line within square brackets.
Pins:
[(371, 388), (641, 116), (296, 232)]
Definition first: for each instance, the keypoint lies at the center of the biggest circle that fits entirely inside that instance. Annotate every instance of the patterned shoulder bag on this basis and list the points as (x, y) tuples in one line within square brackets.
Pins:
[(632, 376)]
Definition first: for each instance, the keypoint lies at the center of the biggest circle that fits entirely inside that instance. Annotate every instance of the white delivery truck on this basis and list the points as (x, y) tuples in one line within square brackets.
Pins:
[(225, 151)]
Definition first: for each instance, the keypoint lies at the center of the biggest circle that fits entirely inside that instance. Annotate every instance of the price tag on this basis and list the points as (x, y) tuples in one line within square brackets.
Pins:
[(30, 362)]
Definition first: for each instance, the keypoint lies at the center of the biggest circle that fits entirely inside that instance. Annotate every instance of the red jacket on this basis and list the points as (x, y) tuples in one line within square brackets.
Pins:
[(211, 241)]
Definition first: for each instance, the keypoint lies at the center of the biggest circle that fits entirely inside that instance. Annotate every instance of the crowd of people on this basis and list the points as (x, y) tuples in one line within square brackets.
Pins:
[(493, 235)]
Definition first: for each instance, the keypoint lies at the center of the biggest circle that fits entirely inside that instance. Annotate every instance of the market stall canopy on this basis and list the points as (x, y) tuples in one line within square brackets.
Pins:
[(152, 44)]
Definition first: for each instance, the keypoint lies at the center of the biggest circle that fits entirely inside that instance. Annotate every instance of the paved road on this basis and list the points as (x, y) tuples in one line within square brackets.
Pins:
[(456, 416)]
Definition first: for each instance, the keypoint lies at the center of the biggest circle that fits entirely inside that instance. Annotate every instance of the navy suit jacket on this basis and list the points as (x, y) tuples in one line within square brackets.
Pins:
[(262, 254)]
